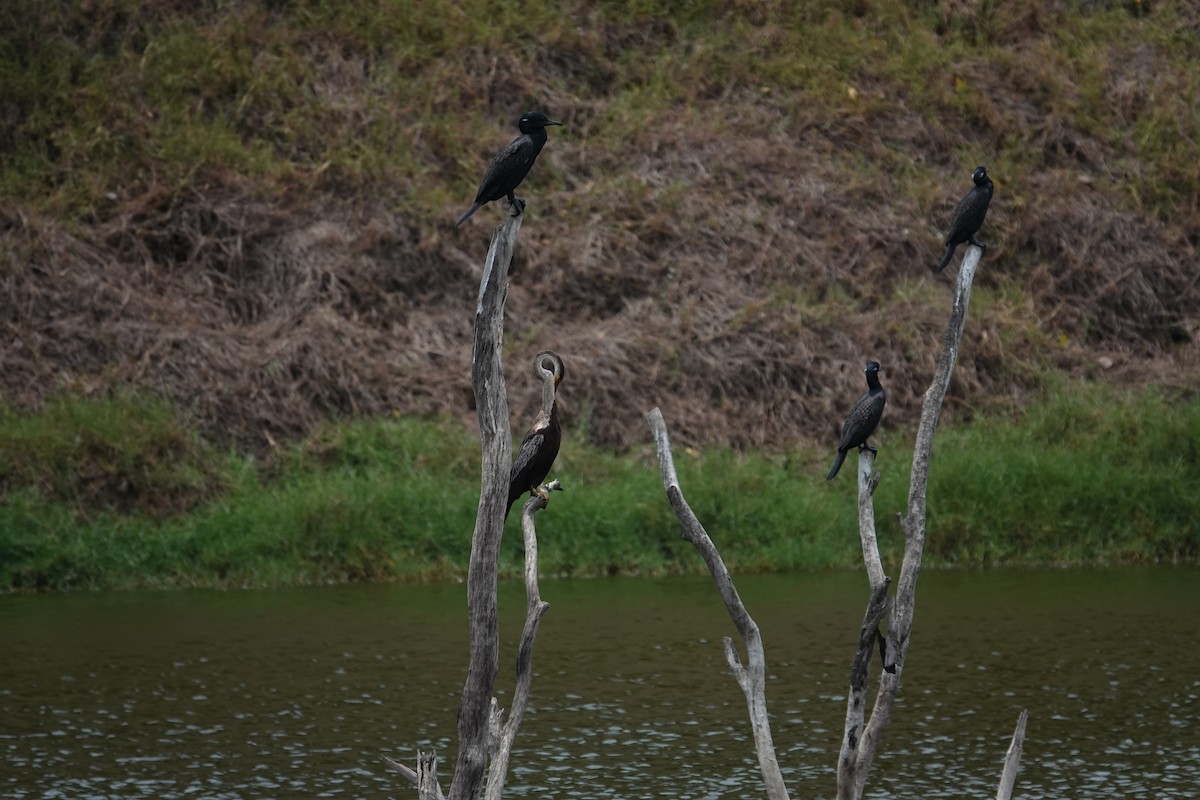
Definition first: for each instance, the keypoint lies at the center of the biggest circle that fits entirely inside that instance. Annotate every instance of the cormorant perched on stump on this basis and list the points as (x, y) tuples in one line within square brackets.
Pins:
[(540, 447), (968, 217), (511, 165), (863, 419)]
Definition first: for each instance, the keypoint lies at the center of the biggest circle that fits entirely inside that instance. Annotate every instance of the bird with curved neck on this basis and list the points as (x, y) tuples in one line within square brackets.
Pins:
[(512, 164), (863, 419), (968, 217), (540, 446)]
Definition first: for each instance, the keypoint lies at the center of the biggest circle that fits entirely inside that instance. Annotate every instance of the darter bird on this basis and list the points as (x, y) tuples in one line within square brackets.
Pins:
[(540, 447)]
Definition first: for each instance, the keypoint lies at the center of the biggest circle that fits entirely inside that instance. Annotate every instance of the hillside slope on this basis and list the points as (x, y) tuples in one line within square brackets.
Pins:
[(249, 207)]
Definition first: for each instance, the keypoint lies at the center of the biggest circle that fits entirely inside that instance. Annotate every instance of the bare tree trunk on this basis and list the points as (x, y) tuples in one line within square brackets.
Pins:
[(495, 435), (751, 679), (878, 607), (534, 609), (1008, 776), (858, 753)]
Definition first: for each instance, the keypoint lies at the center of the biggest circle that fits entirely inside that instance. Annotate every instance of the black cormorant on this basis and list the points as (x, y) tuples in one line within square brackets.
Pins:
[(968, 217), (540, 446), (863, 419), (511, 165)]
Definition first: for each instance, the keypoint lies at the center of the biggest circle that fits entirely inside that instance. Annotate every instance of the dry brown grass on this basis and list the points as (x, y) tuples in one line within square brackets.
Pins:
[(735, 256)]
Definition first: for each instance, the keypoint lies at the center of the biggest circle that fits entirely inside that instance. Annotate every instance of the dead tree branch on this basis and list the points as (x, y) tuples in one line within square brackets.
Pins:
[(425, 778), (534, 609), (857, 757), (860, 741), (868, 479), (1012, 761), (878, 607), (856, 699), (752, 679), (495, 436)]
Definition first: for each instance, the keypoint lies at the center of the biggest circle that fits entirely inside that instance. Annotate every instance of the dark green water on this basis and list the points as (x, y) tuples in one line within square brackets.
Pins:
[(274, 694)]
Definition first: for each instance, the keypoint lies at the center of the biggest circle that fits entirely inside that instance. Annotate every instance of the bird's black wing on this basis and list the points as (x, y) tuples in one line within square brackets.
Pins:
[(507, 170), (863, 420), (968, 217), (520, 479)]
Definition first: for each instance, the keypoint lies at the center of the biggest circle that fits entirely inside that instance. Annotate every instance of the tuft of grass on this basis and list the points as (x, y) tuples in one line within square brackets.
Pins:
[(120, 454)]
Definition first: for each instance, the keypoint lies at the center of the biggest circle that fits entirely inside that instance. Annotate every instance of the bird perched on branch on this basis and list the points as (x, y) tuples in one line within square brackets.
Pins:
[(968, 217), (863, 419), (511, 165), (540, 447)]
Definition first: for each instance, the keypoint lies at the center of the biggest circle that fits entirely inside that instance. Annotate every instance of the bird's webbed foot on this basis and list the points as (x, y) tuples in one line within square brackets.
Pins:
[(545, 489), (979, 244), (868, 448), (539, 496), (516, 206)]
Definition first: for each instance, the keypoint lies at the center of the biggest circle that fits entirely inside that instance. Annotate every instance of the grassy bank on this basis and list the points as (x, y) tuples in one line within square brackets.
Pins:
[(1089, 476), (249, 207)]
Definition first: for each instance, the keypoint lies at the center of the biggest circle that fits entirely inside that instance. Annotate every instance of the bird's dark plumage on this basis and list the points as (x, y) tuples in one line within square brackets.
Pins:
[(540, 447), (968, 217), (511, 165), (863, 419)]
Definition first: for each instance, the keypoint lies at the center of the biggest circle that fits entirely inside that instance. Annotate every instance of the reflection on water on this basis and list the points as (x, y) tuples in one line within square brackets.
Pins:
[(299, 693)]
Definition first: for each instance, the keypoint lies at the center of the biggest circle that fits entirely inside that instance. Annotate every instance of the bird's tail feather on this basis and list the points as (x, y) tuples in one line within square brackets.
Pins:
[(467, 215), (941, 264), (837, 465)]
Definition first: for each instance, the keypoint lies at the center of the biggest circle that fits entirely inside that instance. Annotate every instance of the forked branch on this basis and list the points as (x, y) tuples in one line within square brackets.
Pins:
[(752, 677)]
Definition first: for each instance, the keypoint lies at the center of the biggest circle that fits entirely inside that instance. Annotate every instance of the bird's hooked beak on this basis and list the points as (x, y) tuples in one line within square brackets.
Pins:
[(552, 122)]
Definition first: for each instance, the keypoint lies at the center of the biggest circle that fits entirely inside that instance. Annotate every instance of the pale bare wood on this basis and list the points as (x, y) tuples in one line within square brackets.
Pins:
[(868, 479), (535, 607), (751, 678), (409, 774), (424, 778), (913, 524), (428, 787), (849, 762), (1012, 761), (856, 698), (495, 436)]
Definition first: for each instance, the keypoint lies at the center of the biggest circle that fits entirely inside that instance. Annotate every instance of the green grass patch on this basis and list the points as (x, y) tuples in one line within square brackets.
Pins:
[(1086, 476), (117, 454)]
